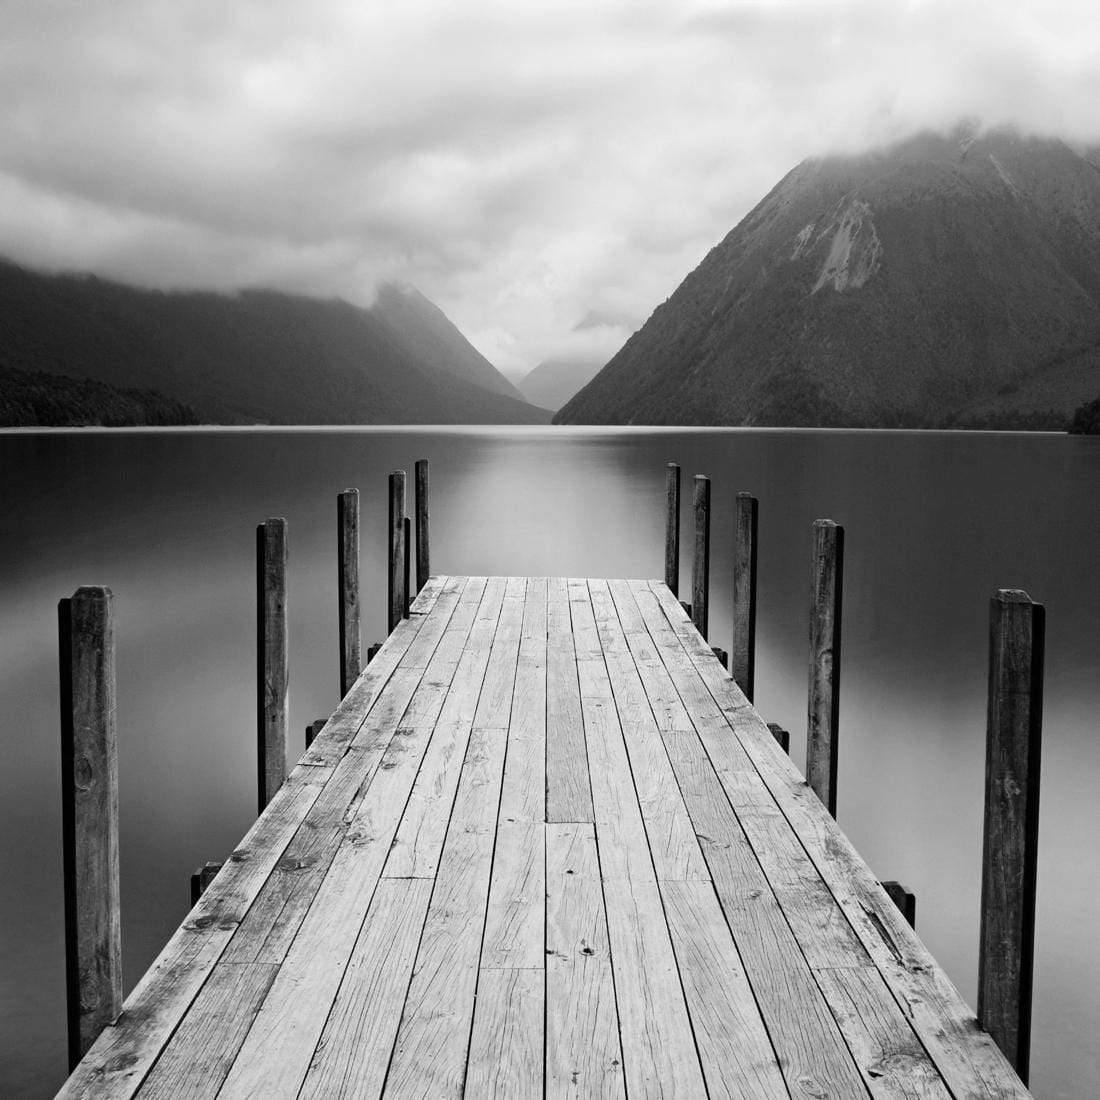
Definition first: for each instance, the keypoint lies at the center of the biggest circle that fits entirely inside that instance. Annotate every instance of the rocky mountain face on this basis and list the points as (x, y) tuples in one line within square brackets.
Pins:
[(257, 356), (947, 281), (554, 381)]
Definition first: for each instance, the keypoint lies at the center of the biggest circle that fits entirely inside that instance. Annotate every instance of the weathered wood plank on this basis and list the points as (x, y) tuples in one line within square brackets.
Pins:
[(672, 842), (967, 1058), (124, 1052), (353, 1053), (506, 1047), (568, 792), (515, 921), (583, 1056), (889, 1055), (737, 1056), (429, 1057)]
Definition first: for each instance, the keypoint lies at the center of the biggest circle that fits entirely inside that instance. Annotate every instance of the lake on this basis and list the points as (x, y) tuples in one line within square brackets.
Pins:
[(934, 522)]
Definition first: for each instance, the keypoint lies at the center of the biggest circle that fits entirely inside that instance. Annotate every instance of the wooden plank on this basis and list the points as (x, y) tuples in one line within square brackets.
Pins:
[(506, 1047), (737, 1056), (515, 921), (568, 792), (672, 843), (967, 1058), (89, 815), (494, 707), (822, 734), (273, 674), (429, 1058), (276, 1054), (1010, 849), (353, 1053), (207, 1041), (124, 1052), (583, 1056), (889, 1055)]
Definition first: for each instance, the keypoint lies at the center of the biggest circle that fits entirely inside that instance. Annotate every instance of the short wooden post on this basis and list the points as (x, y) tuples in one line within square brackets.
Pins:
[(743, 654), (396, 594), (700, 572), (89, 815), (782, 736), (423, 539), (201, 879), (313, 729), (272, 674), (905, 900), (672, 528), (408, 564), (372, 651), (347, 541), (722, 655), (1011, 834), (824, 695)]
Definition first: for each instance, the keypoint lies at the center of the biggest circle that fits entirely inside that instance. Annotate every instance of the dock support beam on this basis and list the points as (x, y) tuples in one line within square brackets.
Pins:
[(905, 900), (782, 736), (407, 536), (397, 573), (313, 729), (672, 529), (272, 674), (423, 539), (347, 566), (201, 879), (743, 654), (700, 571), (824, 694), (89, 815), (1011, 833)]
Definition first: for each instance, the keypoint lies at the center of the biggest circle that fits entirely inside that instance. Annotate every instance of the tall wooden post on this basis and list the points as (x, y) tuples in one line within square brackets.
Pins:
[(700, 570), (824, 695), (347, 566), (743, 654), (1011, 835), (272, 678), (407, 580), (89, 816), (396, 588), (672, 528), (423, 539)]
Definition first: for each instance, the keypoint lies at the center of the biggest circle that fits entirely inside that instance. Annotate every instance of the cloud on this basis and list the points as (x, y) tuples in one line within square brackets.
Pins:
[(525, 164)]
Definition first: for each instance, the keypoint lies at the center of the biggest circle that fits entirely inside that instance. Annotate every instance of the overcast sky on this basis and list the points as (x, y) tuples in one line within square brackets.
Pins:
[(547, 172)]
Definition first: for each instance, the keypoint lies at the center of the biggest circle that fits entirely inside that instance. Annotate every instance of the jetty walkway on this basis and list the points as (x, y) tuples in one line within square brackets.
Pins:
[(545, 847)]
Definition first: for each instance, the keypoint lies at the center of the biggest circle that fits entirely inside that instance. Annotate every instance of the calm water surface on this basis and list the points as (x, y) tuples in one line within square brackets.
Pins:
[(934, 522)]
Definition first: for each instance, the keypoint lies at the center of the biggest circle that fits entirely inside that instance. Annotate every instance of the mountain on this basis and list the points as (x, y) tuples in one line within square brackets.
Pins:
[(554, 381), (949, 280), (34, 399), (256, 356)]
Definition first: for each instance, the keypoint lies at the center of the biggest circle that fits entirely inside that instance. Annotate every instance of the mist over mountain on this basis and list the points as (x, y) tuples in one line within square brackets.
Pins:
[(257, 356), (951, 280), (554, 381)]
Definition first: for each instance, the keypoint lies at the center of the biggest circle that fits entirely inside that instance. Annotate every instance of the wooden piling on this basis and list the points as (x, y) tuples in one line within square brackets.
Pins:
[(905, 900), (700, 571), (313, 729), (347, 541), (672, 528), (1011, 832), (372, 651), (423, 539), (407, 535), (201, 879), (824, 692), (782, 736), (89, 814), (743, 654), (272, 673), (396, 523)]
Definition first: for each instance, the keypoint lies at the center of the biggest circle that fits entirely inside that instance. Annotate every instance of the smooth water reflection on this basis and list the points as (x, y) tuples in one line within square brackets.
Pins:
[(934, 522)]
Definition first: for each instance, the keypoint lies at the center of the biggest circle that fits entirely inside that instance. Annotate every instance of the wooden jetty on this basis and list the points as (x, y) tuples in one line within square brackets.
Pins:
[(545, 846)]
